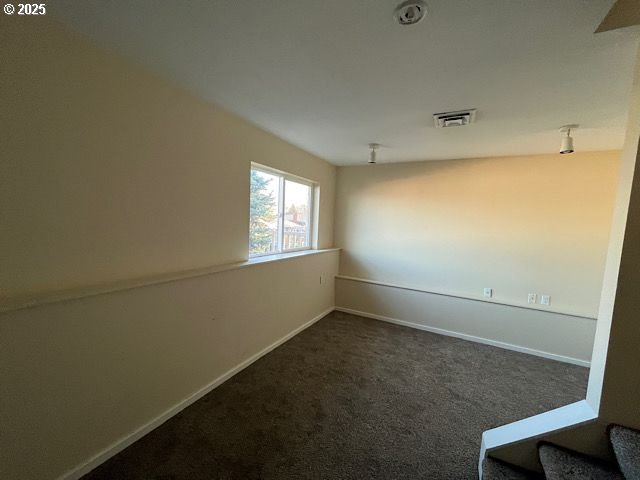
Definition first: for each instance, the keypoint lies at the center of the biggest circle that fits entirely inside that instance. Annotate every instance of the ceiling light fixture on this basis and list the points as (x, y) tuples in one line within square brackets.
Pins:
[(410, 12), (372, 155), (566, 145)]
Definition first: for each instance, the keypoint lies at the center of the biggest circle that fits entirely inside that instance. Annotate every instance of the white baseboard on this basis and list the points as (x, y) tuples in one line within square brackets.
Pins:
[(472, 338), (124, 442)]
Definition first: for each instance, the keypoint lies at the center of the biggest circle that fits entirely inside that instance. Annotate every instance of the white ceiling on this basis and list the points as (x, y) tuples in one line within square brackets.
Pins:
[(333, 75)]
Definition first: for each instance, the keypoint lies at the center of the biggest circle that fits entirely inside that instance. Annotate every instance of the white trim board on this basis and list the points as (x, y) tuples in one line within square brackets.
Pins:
[(471, 338), (10, 303), (137, 434), (526, 306)]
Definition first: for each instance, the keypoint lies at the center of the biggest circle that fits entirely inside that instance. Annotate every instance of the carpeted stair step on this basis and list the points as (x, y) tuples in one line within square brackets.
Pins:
[(562, 464), (493, 469), (626, 445)]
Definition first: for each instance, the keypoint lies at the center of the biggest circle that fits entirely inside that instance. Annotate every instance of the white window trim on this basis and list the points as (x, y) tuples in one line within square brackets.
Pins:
[(311, 211)]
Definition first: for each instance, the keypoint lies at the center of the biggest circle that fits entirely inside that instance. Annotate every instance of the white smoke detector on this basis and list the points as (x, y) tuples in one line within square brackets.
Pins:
[(458, 118), (410, 12)]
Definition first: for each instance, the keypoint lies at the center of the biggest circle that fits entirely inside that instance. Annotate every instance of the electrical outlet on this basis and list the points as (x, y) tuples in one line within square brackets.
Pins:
[(488, 292), (545, 300), (532, 298)]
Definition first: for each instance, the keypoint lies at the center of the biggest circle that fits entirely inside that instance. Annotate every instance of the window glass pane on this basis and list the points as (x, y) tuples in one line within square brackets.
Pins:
[(297, 214), (263, 213)]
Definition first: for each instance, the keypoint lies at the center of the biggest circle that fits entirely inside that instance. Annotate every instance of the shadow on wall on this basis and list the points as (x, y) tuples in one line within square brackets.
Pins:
[(522, 224)]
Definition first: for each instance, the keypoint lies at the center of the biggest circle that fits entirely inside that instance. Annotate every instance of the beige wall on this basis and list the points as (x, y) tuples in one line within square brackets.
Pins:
[(108, 172), (535, 224), (520, 329), (79, 376)]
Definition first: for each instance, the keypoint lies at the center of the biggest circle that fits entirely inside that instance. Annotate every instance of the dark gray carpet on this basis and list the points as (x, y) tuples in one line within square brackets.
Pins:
[(562, 464), (626, 445), (493, 469), (352, 398)]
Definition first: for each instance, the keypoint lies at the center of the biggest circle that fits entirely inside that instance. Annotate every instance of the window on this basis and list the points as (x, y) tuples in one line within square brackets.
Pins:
[(280, 212)]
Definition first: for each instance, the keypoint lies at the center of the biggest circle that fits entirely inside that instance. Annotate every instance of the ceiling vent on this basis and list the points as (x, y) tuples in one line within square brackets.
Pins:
[(454, 119), (410, 12)]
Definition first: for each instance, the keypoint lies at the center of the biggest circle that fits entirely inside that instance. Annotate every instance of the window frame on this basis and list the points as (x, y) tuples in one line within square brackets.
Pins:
[(311, 213)]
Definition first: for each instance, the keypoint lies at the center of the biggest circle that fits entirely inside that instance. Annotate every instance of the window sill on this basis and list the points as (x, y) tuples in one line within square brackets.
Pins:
[(32, 299), (283, 256)]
